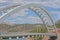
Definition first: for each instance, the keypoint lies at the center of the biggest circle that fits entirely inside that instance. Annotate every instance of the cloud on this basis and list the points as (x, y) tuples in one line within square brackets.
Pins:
[(32, 19), (1, 1), (55, 15), (5, 1), (50, 3), (21, 13), (16, 16), (28, 19)]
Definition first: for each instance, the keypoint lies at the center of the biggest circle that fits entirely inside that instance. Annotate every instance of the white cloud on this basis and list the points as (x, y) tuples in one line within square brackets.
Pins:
[(28, 19), (1, 1), (57, 14), (17, 1), (34, 19), (19, 19), (50, 3), (58, 17), (20, 13)]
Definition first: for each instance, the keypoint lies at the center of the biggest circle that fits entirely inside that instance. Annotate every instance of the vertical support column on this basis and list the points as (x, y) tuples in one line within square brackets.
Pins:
[(17, 37), (39, 35), (23, 37), (32, 36), (36, 35), (10, 38), (42, 35)]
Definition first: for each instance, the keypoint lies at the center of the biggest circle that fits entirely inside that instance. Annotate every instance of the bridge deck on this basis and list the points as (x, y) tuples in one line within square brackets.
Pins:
[(26, 34)]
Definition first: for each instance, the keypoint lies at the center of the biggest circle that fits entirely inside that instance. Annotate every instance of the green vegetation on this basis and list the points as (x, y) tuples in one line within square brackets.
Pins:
[(5, 27), (38, 30), (38, 38), (13, 30), (58, 24), (17, 27), (0, 38)]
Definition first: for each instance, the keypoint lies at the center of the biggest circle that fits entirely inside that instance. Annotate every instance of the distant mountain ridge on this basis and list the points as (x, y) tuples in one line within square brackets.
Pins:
[(17, 27)]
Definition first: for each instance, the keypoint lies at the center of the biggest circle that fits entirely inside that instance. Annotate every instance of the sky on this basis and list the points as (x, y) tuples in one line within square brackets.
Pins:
[(28, 16)]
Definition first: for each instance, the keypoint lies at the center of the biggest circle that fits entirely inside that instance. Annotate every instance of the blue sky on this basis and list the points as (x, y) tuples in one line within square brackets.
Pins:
[(28, 16)]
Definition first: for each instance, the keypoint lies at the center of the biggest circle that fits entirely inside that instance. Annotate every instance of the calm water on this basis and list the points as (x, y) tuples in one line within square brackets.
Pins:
[(16, 39)]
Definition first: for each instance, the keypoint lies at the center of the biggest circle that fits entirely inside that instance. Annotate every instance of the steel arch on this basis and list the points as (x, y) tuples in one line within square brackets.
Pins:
[(18, 8)]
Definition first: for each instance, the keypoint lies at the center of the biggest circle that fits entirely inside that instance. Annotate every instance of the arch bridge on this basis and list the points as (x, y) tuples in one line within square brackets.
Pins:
[(40, 11)]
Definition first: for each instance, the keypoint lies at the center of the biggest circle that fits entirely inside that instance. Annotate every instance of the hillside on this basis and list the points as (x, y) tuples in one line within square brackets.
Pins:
[(18, 27)]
